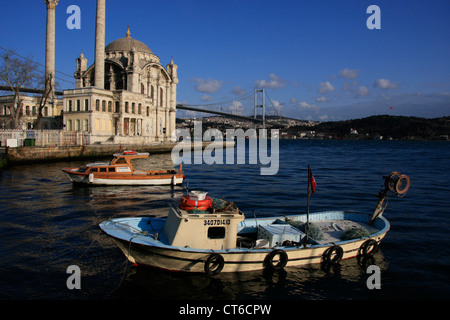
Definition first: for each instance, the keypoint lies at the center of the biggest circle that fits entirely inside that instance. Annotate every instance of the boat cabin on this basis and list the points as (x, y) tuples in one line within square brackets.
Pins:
[(121, 163), (216, 231)]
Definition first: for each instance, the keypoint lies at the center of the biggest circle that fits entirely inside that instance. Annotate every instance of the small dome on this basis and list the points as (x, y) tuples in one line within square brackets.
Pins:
[(127, 44)]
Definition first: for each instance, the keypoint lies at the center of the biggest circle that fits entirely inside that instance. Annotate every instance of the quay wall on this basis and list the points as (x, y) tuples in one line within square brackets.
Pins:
[(3, 160), (57, 153)]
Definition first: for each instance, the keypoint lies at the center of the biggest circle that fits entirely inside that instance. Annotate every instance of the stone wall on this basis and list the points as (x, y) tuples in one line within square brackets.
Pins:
[(30, 154)]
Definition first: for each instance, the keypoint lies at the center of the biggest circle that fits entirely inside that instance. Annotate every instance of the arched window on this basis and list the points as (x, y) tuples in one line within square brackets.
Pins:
[(161, 97), (142, 88)]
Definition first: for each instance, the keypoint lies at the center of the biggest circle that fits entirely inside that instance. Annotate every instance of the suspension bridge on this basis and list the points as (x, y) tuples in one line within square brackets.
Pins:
[(237, 108)]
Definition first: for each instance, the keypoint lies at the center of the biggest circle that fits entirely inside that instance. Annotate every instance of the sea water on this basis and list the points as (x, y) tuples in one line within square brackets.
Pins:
[(47, 225)]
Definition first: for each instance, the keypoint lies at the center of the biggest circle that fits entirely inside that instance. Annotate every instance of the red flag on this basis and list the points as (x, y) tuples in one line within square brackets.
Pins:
[(311, 181)]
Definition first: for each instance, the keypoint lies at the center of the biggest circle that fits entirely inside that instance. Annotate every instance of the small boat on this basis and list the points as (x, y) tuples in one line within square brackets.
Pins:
[(222, 239), (120, 171)]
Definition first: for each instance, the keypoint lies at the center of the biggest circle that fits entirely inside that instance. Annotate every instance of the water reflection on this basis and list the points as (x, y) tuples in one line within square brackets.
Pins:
[(294, 282)]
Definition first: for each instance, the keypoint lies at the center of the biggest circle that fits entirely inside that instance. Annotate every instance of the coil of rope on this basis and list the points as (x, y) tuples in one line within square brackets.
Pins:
[(397, 183)]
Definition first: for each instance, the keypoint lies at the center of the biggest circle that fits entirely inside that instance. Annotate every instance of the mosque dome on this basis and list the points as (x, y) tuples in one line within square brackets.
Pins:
[(127, 44)]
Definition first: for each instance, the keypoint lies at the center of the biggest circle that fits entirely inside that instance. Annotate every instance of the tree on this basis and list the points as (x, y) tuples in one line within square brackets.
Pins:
[(47, 94), (16, 74)]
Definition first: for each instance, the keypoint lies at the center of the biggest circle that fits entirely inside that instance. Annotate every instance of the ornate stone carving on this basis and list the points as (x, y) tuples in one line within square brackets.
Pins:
[(51, 4)]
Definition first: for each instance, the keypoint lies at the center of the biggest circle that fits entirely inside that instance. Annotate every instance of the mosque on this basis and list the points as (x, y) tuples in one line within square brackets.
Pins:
[(125, 96)]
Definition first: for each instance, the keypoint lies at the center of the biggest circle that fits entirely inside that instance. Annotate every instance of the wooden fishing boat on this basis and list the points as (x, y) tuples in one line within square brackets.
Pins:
[(120, 171), (222, 239)]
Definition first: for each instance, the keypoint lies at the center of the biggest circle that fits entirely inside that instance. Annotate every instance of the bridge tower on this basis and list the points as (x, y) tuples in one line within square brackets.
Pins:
[(262, 106)]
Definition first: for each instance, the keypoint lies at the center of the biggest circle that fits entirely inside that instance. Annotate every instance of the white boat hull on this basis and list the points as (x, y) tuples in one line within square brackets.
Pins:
[(238, 261), (121, 171), (76, 178), (149, 252)]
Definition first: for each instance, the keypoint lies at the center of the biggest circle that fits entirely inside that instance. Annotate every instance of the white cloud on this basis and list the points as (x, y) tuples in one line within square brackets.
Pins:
[(206, 98), (277, 106), (322, 99), (325, 87), (349, 73), (208, 85), (236, 108), (305, 105), (350, 87), (385, 84), (362, 91), (238, 91), (275, 82)]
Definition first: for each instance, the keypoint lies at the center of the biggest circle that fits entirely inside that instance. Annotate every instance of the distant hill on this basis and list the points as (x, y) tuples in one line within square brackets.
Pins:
[(395, 127), (381, 127)]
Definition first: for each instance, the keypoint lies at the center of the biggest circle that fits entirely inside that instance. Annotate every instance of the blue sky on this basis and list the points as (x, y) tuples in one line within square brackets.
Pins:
[(315, 59)]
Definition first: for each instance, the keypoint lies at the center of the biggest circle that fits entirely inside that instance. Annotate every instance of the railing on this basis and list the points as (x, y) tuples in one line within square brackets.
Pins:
[(21, 138)]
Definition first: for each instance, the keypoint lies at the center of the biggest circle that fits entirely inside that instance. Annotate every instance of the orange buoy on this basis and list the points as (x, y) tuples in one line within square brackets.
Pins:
[(186, 203)]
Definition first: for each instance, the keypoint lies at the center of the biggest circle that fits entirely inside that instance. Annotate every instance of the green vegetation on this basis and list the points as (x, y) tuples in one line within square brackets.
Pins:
[(382, 127)]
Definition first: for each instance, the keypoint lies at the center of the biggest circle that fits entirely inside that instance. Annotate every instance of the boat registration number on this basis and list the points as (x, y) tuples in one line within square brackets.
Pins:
[(216, 222)]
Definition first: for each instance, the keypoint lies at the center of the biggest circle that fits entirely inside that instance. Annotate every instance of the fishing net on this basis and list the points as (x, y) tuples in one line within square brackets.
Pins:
[(313, 231), (355, 233)]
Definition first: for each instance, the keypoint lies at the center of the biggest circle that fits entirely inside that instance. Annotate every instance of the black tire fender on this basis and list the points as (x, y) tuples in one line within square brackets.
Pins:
[(333, 254), (368, 248), (269, 260), (214, 264)]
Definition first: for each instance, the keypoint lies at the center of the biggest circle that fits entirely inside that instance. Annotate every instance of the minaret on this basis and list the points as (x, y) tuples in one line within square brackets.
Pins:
[(50, 42), (100, 45), (172, 70)]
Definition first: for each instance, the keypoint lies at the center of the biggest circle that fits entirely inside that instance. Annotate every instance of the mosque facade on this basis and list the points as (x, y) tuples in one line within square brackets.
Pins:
[(137, 102), (125, 96)]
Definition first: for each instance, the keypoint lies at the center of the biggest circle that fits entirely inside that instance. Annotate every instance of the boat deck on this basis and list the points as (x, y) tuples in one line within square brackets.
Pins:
[(333, 230)]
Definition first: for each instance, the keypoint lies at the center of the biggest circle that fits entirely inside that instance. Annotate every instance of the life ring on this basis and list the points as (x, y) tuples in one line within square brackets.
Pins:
[(368, 248), (269, 260), (333, 254), (398, 183), (129, 152), (214, 264), (187, 203), (402, 184)]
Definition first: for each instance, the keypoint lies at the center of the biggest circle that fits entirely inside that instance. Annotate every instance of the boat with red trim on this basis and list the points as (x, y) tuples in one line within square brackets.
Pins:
[(222, 239), (121, 171)]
